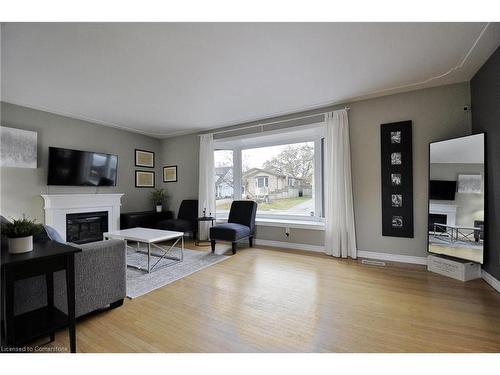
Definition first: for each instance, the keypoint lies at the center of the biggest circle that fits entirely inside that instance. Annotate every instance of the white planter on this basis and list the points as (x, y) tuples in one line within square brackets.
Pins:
[(20, 245), (159, 208)]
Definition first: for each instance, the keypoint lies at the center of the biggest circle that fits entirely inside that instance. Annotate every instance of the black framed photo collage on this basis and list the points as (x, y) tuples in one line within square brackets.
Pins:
[(397, 179)]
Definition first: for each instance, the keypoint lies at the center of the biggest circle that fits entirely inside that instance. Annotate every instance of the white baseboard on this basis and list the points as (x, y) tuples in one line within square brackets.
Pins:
[(291, 245), (495, 283), (392, 257), (361, 253)]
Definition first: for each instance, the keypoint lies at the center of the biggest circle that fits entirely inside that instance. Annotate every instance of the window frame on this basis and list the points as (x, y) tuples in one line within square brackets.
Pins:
[(308, 133)]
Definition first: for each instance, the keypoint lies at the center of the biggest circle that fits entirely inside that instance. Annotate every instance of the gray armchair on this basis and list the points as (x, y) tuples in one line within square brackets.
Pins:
[(100, 281)]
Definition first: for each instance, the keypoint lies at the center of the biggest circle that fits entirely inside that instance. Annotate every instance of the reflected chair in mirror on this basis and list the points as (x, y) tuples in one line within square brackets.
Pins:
[(186, 218), (479, 234), (240, 225)]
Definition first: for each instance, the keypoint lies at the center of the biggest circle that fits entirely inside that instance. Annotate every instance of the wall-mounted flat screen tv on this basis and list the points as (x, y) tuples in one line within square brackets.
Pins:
[(442, 190), (81, 168)]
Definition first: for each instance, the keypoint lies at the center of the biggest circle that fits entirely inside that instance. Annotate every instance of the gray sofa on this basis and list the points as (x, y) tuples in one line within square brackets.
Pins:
[(100, 281)]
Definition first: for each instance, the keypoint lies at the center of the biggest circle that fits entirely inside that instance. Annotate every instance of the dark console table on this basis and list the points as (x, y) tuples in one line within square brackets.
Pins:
[(144, 219), (46, 258)]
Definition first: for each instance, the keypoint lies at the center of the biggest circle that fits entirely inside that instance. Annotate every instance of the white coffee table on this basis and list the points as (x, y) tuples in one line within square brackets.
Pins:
[(150, 237)]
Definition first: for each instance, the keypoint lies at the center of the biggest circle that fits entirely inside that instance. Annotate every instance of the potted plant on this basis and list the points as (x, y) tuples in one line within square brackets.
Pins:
[(158, 196), (20, 234)]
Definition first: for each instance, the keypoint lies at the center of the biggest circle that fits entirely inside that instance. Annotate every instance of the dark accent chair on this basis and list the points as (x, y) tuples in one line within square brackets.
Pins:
[(186, 218), (240, 225), (479, 234)]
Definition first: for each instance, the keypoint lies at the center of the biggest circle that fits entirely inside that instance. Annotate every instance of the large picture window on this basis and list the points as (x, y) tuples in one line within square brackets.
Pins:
[(282, 174)]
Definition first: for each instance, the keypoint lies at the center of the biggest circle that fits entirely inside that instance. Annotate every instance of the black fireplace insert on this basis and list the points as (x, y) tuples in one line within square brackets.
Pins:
[(86, 227), (438, 219)]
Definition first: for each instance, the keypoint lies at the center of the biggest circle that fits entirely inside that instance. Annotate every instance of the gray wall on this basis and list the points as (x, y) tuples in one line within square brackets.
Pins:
[(470, 207), (437, 113), (184, 152), (21, 188), (485, 95)]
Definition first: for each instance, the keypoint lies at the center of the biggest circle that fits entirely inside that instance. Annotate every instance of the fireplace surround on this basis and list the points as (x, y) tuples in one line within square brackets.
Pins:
[(58, 206)]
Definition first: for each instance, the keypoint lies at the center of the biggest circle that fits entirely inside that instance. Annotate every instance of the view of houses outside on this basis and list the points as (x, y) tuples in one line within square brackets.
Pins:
[(279, 178)]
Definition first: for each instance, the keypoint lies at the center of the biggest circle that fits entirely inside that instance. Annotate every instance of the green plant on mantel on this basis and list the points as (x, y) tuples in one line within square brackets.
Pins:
[(158, 196), (21, 228)]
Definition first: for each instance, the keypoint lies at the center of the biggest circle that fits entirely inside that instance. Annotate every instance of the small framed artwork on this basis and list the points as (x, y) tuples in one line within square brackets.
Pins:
[(397, 200), (144, 158), (397, 221), (144, 179), (170, 173), (396, 158), (396, 179)]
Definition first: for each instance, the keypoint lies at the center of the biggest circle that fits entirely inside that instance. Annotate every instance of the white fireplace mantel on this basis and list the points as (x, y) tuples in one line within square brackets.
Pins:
[(450, 210), (57, 206)]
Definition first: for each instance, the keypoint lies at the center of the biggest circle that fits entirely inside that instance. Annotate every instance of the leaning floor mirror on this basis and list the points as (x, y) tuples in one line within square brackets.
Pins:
[(457, 197)]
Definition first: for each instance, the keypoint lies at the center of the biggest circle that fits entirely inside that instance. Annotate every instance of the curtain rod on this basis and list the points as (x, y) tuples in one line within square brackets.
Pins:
[(269, 123)]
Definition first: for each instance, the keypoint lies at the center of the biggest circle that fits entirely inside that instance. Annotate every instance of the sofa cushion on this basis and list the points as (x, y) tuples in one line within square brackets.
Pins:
[(53, 234), (176, 225), (229, 232)]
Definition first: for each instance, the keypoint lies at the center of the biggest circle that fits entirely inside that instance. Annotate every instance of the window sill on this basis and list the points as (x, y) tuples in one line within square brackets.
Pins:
[(283, 223)]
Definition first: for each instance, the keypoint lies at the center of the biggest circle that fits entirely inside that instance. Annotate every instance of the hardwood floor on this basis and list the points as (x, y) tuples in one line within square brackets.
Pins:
[(269, 300)]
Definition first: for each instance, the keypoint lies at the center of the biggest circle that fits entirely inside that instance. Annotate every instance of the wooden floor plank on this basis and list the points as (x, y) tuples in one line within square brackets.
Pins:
[(272, 300)]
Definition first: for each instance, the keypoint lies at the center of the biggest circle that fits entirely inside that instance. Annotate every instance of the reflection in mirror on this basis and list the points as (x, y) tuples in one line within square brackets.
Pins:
[(456, 198)]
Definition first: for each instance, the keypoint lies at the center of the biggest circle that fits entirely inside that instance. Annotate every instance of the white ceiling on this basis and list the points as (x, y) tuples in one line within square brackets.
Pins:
[(463, 150), (170, 78)]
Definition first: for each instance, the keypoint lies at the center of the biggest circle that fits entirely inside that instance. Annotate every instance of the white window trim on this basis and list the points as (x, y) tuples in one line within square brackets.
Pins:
[(308, 133), (284, 223)]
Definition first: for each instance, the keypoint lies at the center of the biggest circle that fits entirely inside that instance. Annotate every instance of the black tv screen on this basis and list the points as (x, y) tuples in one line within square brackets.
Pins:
[(442, 190), (81, 168)]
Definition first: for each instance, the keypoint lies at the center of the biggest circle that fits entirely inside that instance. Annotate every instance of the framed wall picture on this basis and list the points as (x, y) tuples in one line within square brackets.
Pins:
[(170, 173), (144, 179), (397, 179), (470, 183), (144, 158), (18, 148)]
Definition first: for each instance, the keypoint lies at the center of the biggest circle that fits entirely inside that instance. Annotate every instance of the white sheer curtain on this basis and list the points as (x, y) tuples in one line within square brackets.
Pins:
[(340, 232), (206, 183)]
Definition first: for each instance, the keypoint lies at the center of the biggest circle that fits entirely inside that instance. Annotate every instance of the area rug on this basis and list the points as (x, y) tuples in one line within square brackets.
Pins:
[(140, 283)]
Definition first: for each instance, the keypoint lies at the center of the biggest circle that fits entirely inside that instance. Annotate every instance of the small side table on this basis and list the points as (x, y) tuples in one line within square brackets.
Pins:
[(46, 258), (199, 242)]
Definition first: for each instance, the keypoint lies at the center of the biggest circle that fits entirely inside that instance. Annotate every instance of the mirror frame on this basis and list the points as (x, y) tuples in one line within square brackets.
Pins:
[(485, 183)]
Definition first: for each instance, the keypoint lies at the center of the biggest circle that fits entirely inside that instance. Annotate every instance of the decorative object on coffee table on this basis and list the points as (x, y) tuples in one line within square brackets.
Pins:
[(20, 234), (170, 173), (158, 196), (144, 158), (144, 179), (397, 179)]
